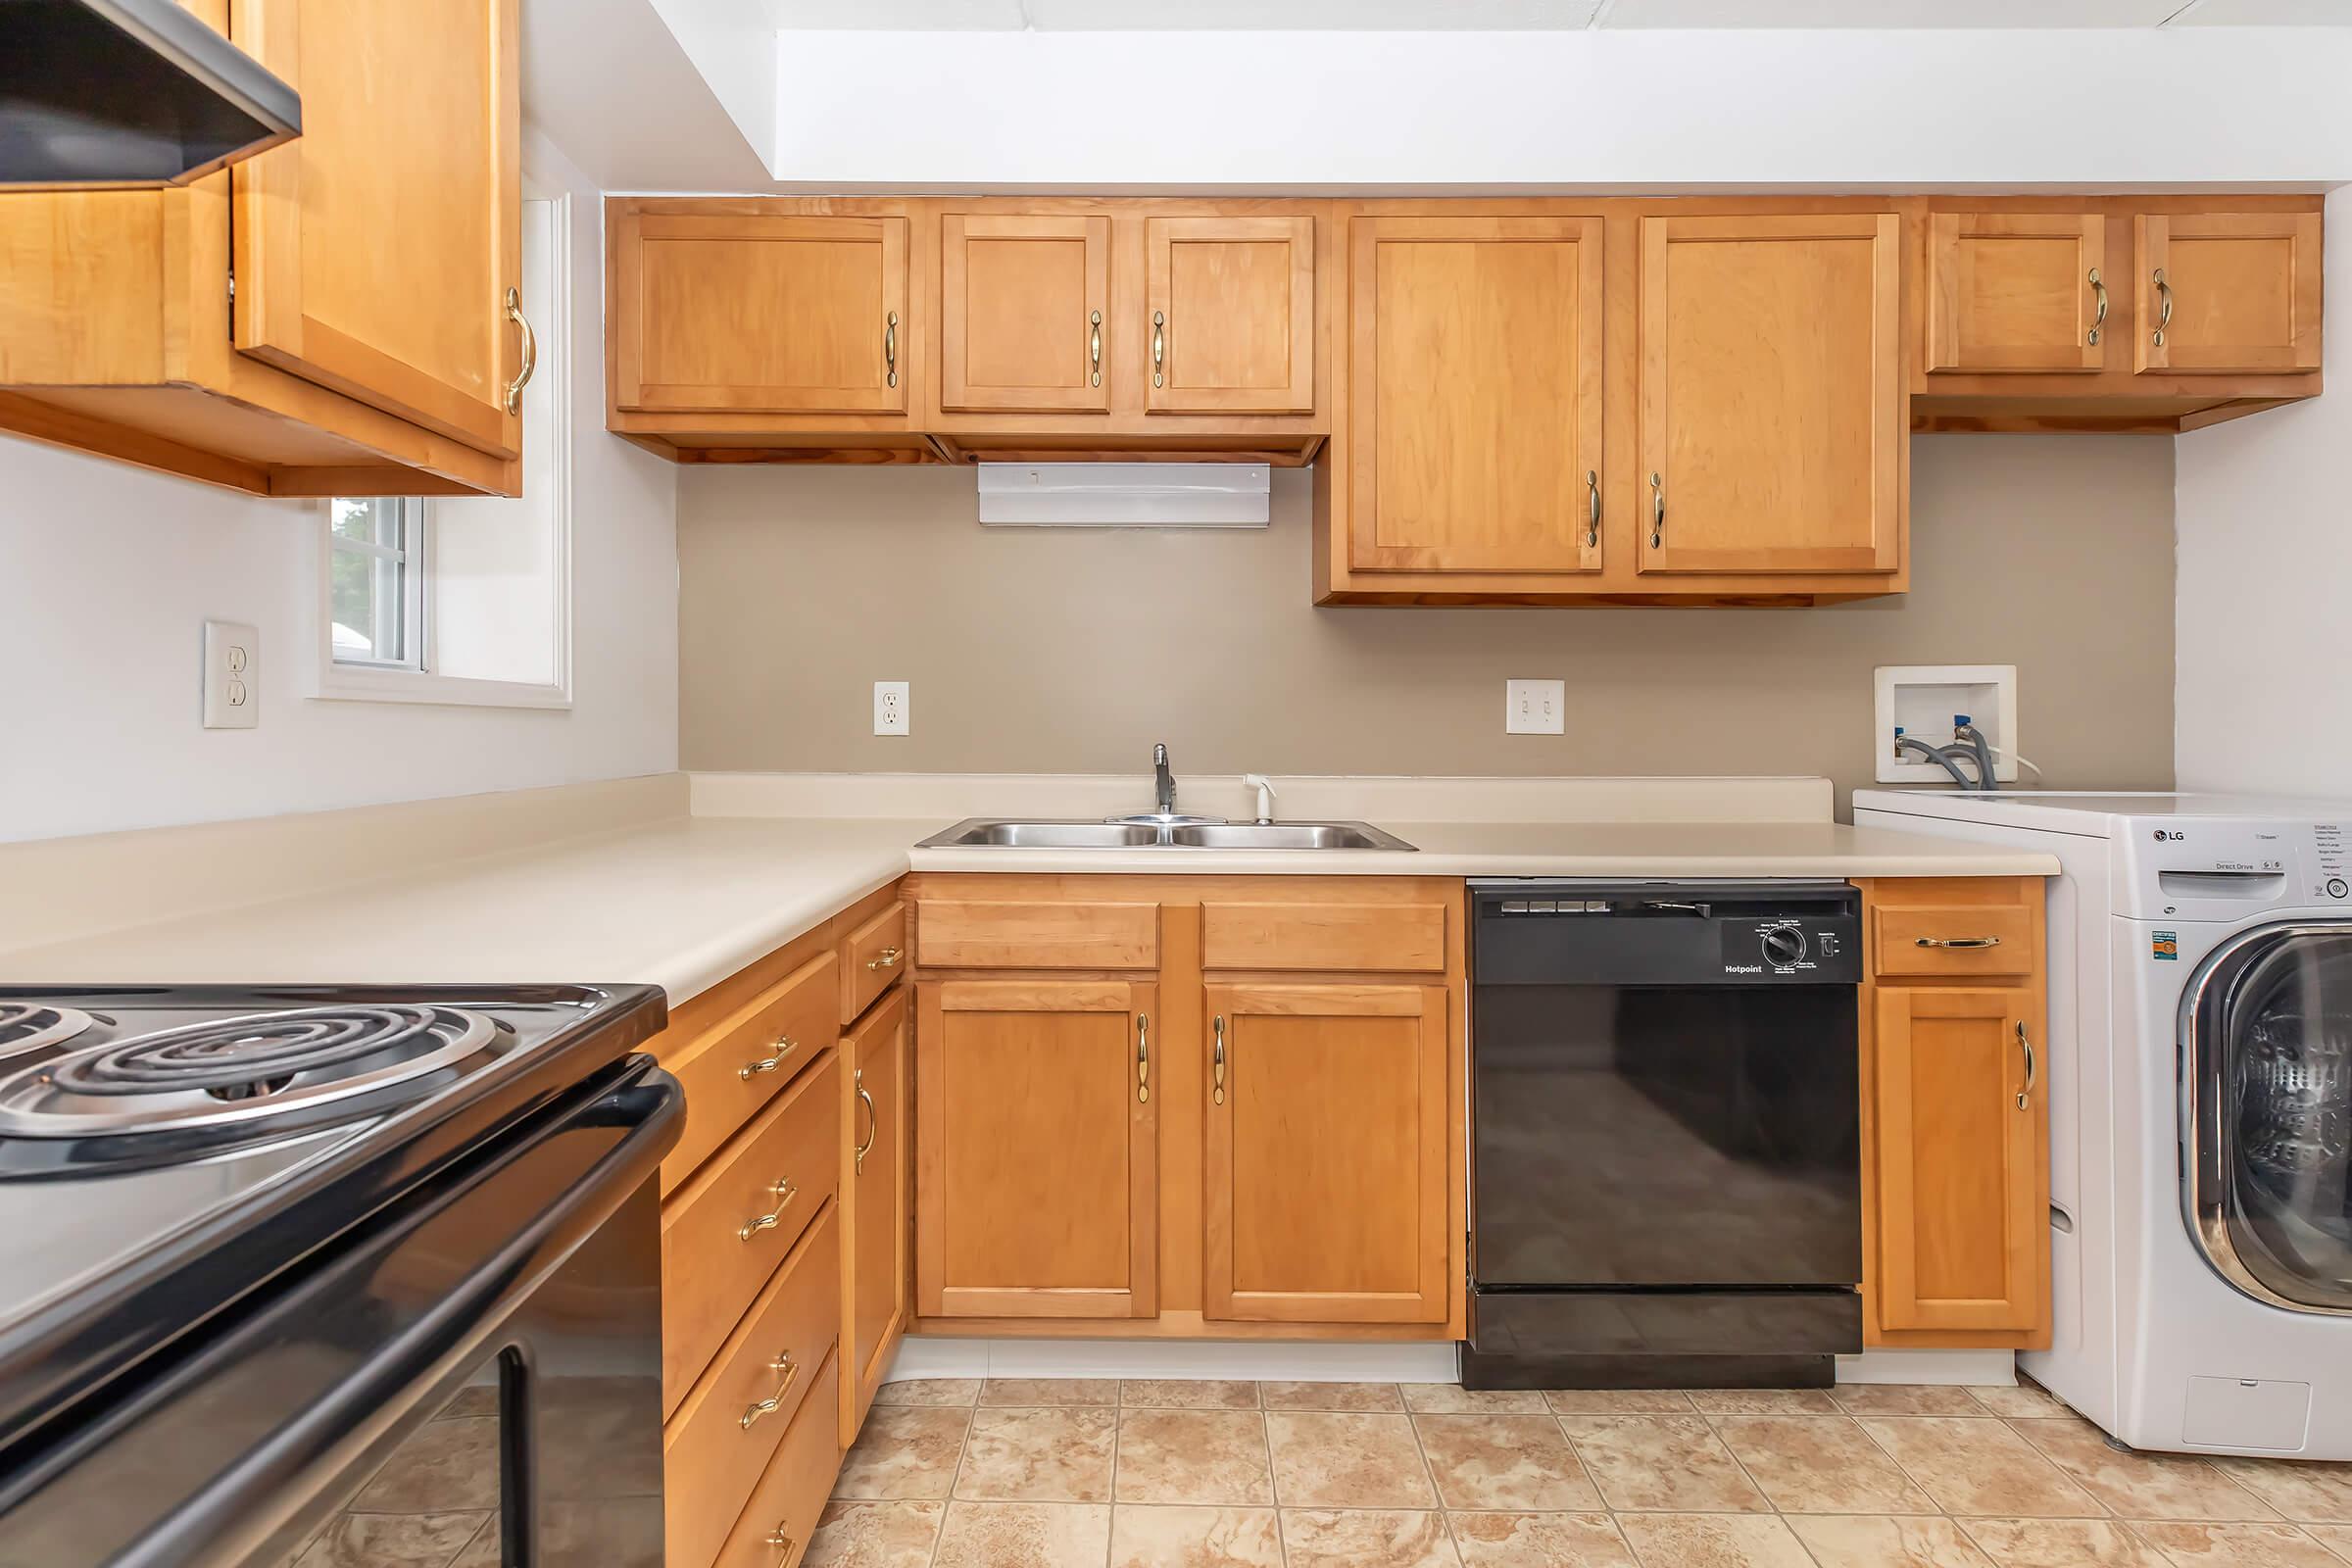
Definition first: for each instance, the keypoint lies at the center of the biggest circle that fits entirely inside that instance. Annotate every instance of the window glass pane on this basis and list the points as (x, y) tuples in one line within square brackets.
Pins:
[(370, 556)]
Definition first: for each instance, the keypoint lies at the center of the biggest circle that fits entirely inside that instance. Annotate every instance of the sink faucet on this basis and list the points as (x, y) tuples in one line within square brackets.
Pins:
[(1265, 796), (1164, 781)]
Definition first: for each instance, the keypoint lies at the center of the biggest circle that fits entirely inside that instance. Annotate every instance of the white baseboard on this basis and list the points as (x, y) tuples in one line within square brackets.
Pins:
[(1982, 1368), (1264, 1362)]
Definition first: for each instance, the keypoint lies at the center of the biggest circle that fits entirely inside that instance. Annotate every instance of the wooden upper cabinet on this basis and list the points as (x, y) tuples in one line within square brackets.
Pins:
[(2226, 292), (1474, 394), (1023, 314), (1773, 421), (373, 253), (759, 313), (1961, 1118), (2019, 292), (1230, 315), (1036, 1148), (1325, 1195)]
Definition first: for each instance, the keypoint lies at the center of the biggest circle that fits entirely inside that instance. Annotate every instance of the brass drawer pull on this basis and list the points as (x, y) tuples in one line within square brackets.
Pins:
[(873, 1124), (1592, 507), (783, 1365), (1957, 942), (1657, 511), (785, 1192), (2164, 306), (530, 352), (887, 958), (782, 1539), (1219, 1058), (890, 350), (2098, 319), (1143, 1059), (2025, 1096), (1094, 344), (785, 1047), (1159, 348)]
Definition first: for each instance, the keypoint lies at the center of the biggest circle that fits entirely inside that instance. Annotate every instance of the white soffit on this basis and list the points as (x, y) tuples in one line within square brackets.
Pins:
[(1889, 13), (1516, 15), (2265, 14)]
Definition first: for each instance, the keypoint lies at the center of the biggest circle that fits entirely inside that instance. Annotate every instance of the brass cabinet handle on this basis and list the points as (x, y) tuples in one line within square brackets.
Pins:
[(1094, 344), (1143, 1059), (785, 1192), (887, 958), (2099, 318), (782, 1539), (783, 1365), (1159, 347), (1592, 507), (2026, 1095), (1219, 1058), (785, 1047), (2164, 306), (890, 348), (1956, 942), (530, 352), (1657, 511), (873, 1122)]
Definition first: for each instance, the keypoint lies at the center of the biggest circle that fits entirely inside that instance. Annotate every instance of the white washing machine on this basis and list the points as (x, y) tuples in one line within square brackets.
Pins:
[(2200, 1038)]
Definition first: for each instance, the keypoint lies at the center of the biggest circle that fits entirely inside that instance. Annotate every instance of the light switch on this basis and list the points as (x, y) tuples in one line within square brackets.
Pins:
[(232, 676), (1535, 707)]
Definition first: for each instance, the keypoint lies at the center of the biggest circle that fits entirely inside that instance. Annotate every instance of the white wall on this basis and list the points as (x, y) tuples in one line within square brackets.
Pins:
[(2263, 692), (107, 574)]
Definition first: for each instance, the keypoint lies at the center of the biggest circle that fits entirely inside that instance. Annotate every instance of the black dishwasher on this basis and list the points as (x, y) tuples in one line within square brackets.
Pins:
[(1666, 1166)]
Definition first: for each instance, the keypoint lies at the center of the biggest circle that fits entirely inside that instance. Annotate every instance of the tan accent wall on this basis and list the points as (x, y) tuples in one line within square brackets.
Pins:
[(1037, 649)]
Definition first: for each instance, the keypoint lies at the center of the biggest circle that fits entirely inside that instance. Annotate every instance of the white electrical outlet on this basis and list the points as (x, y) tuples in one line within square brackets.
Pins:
[(890, 707), (232, 676), (1535, 707)]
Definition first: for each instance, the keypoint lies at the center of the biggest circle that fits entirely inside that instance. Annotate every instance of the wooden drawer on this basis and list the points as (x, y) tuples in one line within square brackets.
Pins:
[(1956, 941), (712, 1459), (871, 958), (785, 1506), (1057, 934), (1400, 938), (737, 1067), (716, 1251)]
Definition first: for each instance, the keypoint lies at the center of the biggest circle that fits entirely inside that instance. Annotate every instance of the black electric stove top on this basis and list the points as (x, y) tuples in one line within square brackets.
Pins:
[(163, 1151)]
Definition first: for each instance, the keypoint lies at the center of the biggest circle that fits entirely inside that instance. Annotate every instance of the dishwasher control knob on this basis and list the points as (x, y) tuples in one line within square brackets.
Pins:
[(1784, 946)]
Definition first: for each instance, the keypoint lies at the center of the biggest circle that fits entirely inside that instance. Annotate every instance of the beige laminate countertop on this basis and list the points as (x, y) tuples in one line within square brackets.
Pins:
[(685, 900)]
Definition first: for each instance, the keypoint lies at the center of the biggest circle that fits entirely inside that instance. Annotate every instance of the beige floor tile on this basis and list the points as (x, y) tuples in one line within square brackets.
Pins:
[(391, 1540), (446, 1466), (1819, 1464), (1980, 1467), (1032, 1455), (875, 1535), (2026, 1400), (2335, 1538), (905, 1451), (1850, 1542), (1764, 1401), (1617, 1401), (1201, 1457), (1451, 1398), (1330, 1397), (1712, 1540), (2141, 1486), (2240, 1546), (1348, 1461), (2306, 1492), (1194, 1537), (1367, 1538), (1673, 1463), (1905, 1399), (1050, 1391), (1024, 1534), (929, 1391), (2061, 1543), (1189, 1393), (1503, 1461), (1538, 1541)]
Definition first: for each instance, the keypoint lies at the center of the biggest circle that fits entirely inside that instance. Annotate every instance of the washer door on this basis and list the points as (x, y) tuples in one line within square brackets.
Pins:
[(2267, 1113)]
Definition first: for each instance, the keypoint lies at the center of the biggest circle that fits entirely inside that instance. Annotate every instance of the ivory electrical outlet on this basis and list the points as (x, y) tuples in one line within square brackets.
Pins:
[(890, 707), (1535, 707), (232, 676)]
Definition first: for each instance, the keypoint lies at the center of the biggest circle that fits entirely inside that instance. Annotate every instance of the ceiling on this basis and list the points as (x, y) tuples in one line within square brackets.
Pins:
[(1362, 15)]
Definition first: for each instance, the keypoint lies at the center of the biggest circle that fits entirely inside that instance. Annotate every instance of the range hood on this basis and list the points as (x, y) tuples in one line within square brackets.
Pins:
[(127, 93)]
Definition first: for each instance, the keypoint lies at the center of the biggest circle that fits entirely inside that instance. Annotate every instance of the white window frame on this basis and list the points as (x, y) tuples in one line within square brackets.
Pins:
[(416, 681)]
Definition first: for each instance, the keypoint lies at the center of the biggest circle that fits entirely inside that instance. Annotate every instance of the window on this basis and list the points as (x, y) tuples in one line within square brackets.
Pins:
[(466, 600)]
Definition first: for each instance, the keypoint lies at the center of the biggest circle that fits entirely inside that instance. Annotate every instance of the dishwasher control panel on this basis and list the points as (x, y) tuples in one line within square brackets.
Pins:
[(1537, 932)]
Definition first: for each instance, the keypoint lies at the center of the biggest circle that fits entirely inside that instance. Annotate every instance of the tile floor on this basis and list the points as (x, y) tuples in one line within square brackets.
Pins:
[(1041, 1473)]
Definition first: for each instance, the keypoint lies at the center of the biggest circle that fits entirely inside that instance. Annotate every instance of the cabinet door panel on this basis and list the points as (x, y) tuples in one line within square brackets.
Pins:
[(1772, 396), (759, 314), (878, 1278), (1963, 1171), (373, 253), (1325, 1168), (2229, 291), (2018, 291), (1022, 302), (1231, 312), (1475, 394), (1036, 1182)]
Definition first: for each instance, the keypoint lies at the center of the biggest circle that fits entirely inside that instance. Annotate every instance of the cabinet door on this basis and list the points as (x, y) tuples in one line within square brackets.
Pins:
[(1474, 385), (1021, 309), (1325, 1167), (1036, 1150), (2228, 291), (2017, 291), (1772, 394), (1232, 315), (759, 313), (373, 253), (1962, 1119), (877, 1277)]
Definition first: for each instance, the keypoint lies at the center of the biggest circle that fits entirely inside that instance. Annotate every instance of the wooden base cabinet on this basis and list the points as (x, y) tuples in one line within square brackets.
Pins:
[(878, 1191)]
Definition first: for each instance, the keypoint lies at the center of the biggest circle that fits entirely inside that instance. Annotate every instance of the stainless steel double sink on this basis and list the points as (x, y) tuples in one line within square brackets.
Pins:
[(1004, 833)]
